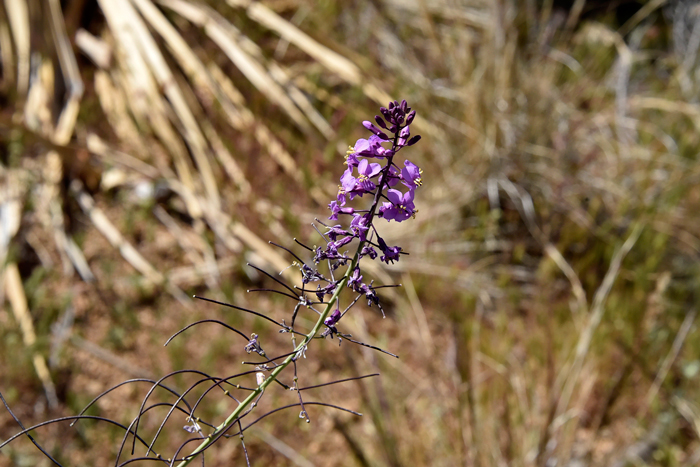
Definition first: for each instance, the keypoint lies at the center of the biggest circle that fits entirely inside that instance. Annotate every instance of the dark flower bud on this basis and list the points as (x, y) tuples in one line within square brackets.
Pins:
[(413, 140), (410, 117), (333, 318), (380, 121), (370, 126)]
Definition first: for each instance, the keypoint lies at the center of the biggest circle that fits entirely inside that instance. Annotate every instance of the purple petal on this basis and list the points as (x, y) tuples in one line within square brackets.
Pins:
[(394, 196), (362, 168)]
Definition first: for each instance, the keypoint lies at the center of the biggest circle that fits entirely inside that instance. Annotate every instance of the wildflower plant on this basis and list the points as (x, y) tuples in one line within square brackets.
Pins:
[(328, 292)]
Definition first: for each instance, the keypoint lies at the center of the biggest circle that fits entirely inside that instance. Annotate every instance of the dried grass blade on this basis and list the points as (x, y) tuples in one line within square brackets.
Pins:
[(217, 220), (188, 276), (164, 76), (301, 101), (113, 103), (77, 258), (142, 94), (6, 55), (263, 249), (18, 300), (233, 170), (197, 72), (112, 234), (117, 240), (596, 315), (94, 48), (110, 358), (672, 355), (18, 17), (196, 250), (71, 76), (228, 38), (335, 62), (261, 133), (98, 147)]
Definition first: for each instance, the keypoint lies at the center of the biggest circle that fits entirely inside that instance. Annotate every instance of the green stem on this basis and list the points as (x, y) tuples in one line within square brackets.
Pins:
[(279, 368)]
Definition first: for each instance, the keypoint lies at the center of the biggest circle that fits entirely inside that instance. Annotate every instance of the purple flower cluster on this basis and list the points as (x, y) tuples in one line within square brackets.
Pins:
[(371, 170)]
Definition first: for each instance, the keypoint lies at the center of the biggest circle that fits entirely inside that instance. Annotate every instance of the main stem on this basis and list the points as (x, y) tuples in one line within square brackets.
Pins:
[(279, 368)]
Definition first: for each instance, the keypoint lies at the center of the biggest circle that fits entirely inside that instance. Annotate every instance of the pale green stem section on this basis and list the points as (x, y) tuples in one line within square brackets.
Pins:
[(278, 369)]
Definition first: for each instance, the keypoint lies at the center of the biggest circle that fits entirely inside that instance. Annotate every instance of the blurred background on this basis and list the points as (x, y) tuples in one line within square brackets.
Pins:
[(150, 148)]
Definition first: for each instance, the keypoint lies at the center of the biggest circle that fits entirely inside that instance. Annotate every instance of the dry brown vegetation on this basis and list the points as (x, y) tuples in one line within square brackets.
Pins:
[(150, 148)]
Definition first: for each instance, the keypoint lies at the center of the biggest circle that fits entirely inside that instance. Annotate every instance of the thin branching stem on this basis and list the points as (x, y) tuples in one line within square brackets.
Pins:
[(235, 415), (355, 378), (31, 438), (273, 278), (241, 309), (205, 321)]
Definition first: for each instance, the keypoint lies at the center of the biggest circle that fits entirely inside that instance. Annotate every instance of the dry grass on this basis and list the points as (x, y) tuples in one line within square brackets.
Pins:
[(548, 312)]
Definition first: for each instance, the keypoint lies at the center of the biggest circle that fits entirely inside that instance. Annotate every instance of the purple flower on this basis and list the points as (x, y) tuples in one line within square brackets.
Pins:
[(362, 184), (321, 292), (355, 280), (335, 231), (359, 227), (371, 147), (366, 172), (392, 174), (348, 182), (403, 136), (395, 114), (309, 275), (351, 158), (413, 140), (410, 175), (401, 206), (391, 254), (340, 243), (370, 295), (336, 209), (333, 318), (409, 118), (331, 252), (363, 147), (368, 251)]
